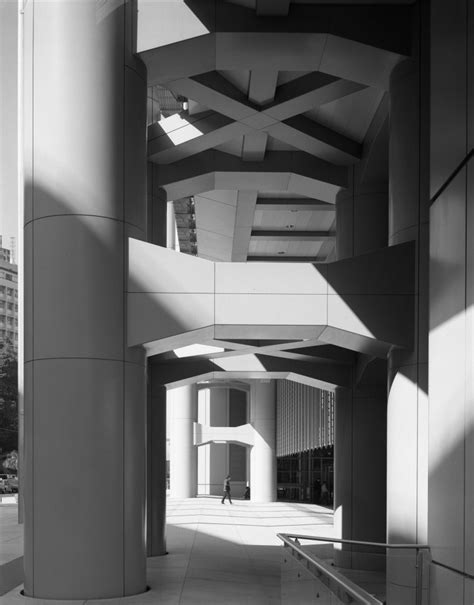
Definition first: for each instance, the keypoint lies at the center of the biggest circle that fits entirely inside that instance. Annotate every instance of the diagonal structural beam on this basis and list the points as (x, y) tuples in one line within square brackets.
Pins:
[(307, 92), (190, 135), (177, 137), (298, 96), (310, 137), (215, 92), (312, 131), (208, 130)]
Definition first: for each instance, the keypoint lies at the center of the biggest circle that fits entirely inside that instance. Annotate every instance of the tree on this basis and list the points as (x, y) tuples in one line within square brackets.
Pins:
[(8, 398), (11, 461)]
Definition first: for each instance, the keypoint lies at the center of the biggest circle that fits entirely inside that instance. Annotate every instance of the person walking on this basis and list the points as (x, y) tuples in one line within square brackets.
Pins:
[(226, 490)]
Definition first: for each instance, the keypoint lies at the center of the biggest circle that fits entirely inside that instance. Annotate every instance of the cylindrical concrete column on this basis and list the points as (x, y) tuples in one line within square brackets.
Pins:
[(407, 414), (361, 219), (263, 454), (183, 452), (156, 465), (85, 163)]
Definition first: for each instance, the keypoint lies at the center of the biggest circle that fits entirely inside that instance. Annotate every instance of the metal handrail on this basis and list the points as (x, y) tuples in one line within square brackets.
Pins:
[(464, 574), (349, 587), (354, 591), (356, 542)]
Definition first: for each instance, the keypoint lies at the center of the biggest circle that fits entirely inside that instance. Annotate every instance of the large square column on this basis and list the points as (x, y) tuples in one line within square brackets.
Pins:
[(407, 413), (85, 162), (451, 337)]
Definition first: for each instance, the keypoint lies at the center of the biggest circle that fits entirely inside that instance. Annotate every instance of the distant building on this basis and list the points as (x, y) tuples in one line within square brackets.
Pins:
[(13, 250), (8, 299)]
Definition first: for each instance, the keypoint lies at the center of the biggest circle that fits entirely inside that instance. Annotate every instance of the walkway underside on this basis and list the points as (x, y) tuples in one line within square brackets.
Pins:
[(270, 320)]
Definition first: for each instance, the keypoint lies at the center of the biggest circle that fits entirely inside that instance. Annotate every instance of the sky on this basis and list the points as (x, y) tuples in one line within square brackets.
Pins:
[(8, 119)]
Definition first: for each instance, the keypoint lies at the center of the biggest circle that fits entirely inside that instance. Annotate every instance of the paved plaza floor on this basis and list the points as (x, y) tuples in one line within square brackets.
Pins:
[(218, 554)]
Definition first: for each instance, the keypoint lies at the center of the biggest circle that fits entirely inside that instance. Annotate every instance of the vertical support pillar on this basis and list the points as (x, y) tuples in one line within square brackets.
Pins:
[(360, 467), (407, 414), (157, 208), (408, 380), (85, 174), (218, 452), (451, 312), (156, 394), (263, 453), (156, 465), (183, 452), (360, 412)]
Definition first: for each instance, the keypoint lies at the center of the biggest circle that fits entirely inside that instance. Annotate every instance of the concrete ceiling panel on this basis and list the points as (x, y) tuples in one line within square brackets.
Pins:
[(331, 54), (181, 23), (223, 196), (358, 62), (262, 50), (214, 216), (273, 7), (214, 246)]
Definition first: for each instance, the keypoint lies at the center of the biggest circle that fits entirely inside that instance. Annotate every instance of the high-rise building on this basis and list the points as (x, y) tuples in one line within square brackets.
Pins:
[(8, 299)]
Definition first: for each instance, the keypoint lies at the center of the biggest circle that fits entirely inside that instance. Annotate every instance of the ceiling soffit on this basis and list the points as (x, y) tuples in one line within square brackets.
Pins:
[(277, 108)]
